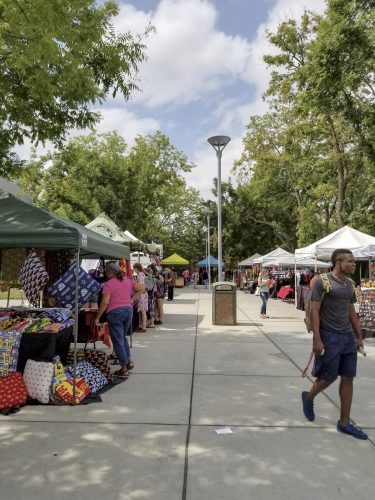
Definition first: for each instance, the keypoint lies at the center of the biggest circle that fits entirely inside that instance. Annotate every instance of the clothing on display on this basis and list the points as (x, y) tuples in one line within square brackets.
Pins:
[(33, 277)]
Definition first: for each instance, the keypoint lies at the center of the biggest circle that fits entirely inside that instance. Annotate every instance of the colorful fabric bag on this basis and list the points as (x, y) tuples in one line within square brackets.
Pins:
[(38, 377), (33, 277), (94, 377), (12, 391), (9, 349), (59, 374), (9, 324), (37, 325), (97, 358), (64, 392), (64, 288), (57, 315)]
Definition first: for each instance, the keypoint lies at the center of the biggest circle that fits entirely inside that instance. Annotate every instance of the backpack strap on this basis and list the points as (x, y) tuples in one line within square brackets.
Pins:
[(327, 287)]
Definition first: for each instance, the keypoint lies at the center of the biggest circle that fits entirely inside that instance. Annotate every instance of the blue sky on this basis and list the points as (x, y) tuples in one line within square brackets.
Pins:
[(204, 75)]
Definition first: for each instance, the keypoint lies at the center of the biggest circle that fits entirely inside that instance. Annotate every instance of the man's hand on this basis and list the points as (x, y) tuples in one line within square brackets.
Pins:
[(97, 320), (359, 342), (318, 346)]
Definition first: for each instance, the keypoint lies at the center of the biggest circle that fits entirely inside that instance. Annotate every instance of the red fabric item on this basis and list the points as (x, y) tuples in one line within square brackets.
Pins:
[(12, 391), (95, 333), (284, 292)]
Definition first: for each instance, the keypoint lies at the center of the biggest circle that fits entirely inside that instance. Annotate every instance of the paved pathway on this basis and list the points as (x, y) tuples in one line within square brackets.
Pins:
[(153, 436)]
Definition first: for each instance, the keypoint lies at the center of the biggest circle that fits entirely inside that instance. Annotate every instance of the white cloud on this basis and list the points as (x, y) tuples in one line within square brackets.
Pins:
[(206, 168), (187, 56), (234, 115), (127, 124)]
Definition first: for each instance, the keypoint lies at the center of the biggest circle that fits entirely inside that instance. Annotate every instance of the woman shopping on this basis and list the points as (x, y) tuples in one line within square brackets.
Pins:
[(117, 303), (263, 284), (143, 299)]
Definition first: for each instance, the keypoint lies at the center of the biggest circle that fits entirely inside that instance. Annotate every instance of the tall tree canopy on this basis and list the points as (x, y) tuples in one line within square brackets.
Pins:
[(309, 163), (141, 188), (58, 57)]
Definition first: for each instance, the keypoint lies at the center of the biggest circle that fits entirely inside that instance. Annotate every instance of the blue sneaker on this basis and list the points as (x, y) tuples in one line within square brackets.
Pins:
[(352, 430), (308, 407)]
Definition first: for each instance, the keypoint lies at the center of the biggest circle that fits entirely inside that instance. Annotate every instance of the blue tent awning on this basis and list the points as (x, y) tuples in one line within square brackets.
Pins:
[(210, 261)]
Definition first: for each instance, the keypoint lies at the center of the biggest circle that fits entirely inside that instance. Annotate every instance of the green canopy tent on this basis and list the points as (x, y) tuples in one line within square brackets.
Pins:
[(175, 260), (24, 225)]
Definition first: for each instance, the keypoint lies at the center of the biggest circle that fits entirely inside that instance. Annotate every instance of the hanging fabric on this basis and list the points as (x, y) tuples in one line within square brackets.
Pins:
[(33, 277)]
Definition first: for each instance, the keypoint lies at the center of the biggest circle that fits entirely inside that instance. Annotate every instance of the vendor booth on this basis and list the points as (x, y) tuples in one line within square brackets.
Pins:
[(361, 244), (40, 333), (250, 261), (275, 254), (210, 261), (363, 247), (176, 260)]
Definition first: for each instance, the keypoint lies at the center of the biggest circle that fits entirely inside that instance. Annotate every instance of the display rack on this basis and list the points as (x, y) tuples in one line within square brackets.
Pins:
[(366, 299)]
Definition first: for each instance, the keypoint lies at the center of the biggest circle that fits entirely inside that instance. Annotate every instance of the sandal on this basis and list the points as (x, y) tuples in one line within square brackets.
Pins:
[(130, 365), (121, 373)]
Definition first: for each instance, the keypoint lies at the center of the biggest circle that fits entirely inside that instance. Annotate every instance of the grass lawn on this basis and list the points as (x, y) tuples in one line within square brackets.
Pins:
[(14, 294)]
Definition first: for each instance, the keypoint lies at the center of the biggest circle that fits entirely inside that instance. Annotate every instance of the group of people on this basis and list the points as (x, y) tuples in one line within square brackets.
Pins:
[(132, 305)]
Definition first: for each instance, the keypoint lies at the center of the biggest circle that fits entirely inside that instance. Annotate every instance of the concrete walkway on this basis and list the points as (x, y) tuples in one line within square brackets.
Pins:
[(153, 436)]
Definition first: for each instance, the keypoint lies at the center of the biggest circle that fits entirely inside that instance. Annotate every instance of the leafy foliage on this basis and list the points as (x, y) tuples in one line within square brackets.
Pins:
[(309, 163), (141, 188), (58, 57)]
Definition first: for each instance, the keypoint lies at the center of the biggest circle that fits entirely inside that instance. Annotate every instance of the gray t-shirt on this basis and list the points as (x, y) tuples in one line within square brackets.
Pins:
[(334, 311)]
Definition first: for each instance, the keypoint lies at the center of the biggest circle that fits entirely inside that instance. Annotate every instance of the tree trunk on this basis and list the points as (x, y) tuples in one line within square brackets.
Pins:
[(342, 173)]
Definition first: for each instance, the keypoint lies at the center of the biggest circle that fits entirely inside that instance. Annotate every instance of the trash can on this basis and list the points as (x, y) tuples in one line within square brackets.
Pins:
[(224, 303)]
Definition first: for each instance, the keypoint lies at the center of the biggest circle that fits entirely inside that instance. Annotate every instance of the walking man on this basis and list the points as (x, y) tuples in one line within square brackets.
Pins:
[(336, 337)]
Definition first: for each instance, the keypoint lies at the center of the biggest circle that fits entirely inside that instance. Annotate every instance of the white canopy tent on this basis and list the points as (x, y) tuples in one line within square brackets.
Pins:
[(367, 252), (250, 260), (298, 263), (278, 253), (106, 227), (361, 244)]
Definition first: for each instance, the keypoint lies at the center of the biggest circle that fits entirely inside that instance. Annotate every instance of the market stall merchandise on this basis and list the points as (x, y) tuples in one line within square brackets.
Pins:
[(23, 225), (366, 299)]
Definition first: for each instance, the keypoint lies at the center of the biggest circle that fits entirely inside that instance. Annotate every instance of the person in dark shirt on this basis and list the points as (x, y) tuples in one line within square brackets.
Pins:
[(336, 338)]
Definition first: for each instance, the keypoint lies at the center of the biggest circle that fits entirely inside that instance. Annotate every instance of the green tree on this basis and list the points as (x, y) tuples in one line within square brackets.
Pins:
[(58, 57), (140, 188), (309, 148)]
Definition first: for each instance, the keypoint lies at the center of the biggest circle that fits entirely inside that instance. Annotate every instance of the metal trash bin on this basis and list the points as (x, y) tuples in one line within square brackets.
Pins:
[(224, 303)]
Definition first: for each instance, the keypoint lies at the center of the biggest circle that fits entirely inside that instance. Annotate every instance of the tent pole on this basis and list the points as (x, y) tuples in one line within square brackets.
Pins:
[(369, 269), (75, 328), (295, 281)]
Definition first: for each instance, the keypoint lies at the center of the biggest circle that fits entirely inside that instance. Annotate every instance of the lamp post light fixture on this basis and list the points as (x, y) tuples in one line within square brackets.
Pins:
[(218, 142), (208, 213)]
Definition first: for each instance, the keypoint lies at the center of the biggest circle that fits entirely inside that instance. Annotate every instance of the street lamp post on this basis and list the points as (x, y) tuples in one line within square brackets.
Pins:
[(218, 142), (208, 213)]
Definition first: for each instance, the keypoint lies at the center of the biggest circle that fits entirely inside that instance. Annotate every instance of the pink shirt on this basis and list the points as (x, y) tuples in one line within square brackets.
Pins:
[(119, 292)]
